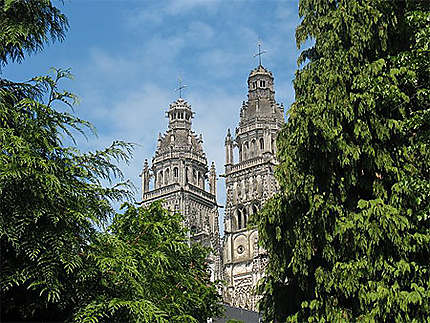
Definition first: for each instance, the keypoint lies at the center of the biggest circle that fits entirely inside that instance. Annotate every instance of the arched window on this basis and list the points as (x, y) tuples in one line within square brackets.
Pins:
[(254, 209), (239, 219), (200, 179), (160, 178), (245, 217), (194, 176), (261, 144), (175, 172), (186, 175), (166, 176), (253, 147), (245, 150)]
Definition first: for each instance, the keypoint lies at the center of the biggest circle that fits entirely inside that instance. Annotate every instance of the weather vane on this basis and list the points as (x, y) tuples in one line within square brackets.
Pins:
[(260, 52), (180, 87)]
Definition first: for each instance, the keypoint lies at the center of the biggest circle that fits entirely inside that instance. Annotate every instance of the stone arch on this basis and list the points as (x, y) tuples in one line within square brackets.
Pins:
[(200, 180), (160, 178), (166, 176), (241, 217), (254, 207), (253, 148), (245, 150), (194, 177)]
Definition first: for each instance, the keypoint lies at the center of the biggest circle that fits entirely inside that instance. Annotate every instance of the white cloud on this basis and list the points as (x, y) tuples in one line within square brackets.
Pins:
[(176, 7), (128, 91)]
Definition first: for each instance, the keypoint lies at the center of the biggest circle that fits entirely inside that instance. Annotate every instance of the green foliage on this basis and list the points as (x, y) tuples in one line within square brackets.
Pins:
[(51, 198), (55, 265), (146, 271), (26, 25), (349, 233)]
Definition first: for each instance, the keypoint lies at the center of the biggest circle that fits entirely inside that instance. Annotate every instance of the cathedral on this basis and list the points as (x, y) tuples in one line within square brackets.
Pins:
[(179, 174)]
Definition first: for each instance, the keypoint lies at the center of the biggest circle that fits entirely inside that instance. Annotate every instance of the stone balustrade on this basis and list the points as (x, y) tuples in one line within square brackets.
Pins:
[(167, 155), (201, 192), (162, 191), (246, 164)]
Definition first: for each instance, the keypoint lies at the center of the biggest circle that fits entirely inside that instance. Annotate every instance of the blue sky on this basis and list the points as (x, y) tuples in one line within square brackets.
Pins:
[(127, 56)]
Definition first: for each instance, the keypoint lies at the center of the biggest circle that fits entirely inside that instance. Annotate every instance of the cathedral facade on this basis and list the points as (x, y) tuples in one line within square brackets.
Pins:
[(179, 173)]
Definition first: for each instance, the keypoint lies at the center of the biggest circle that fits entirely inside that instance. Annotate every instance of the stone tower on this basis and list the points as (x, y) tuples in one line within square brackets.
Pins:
[(249, 183), (178, 175)]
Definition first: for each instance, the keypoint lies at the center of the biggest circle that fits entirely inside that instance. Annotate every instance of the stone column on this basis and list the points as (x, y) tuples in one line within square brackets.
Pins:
[(212, 179)]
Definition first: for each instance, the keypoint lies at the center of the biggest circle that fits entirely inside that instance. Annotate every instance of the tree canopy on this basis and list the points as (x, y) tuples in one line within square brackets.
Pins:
[(348, 235), (26, 26), (148, 271)]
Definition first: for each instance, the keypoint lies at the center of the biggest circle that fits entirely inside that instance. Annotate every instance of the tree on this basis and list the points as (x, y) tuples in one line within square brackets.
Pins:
[(25, 27), (57, 260), (52, 198), (147, 271), (348, 235)]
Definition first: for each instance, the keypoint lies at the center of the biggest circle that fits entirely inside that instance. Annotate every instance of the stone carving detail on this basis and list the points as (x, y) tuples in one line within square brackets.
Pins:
[(242, 295)]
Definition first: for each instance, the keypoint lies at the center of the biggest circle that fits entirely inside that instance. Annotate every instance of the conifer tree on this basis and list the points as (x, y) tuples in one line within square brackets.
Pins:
[(348, 235)]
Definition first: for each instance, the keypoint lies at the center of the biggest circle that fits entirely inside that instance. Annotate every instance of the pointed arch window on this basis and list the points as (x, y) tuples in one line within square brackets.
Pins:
[(200, 179), (160, 178), (175, 172), (242, 217), (166, 176)]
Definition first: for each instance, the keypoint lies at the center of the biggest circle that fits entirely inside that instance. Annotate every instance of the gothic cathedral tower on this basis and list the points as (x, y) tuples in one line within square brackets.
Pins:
[(179, 171), (249, 183)]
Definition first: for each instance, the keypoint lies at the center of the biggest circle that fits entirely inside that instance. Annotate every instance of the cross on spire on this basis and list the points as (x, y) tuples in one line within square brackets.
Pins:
[(260, 52), (180, 87)]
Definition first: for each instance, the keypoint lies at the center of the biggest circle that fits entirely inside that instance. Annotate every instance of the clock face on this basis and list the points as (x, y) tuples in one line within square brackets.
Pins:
[(240, 249)]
